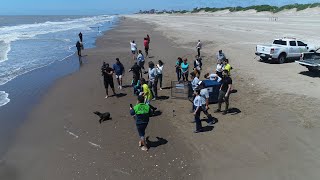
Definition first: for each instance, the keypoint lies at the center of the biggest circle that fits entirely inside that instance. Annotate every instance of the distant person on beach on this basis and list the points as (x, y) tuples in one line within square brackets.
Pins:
[(107, 74), (185, 69), (160, 73), (204, 93), (178, 68), (119, 70), (224, 92), (140, 60), (153, 80), (198, 47), (220, 56), (212, 77), (227, 66), (136, 71), (133, 49), (146, 46), (78, 45), (80, 36), (141, 112), (219, 68), (197, 103), (146, 92)]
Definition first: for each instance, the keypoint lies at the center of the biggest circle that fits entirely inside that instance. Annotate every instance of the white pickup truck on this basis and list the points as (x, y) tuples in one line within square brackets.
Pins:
[(283, 49)]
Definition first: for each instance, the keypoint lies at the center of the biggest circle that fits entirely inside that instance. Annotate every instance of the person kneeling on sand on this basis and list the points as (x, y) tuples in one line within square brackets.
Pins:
[(141, 112), (107, 74), (212, 77), (224, 92)]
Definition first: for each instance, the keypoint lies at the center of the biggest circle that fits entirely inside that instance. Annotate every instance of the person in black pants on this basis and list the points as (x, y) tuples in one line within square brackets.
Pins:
[(107, 74), (78, 45), (197, 102), (224, 92), (137, 73), (80, 36), (199, 46)]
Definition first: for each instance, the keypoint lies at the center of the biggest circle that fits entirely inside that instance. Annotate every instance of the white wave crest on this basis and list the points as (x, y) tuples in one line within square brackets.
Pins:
[(4, 98)]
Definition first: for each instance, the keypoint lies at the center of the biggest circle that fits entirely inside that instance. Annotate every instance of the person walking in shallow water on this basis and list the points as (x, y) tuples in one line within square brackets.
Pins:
[(78, 45), (80, 36)]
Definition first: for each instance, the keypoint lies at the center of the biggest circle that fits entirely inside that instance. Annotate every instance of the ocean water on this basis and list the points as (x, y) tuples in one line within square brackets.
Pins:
[(31, 42)]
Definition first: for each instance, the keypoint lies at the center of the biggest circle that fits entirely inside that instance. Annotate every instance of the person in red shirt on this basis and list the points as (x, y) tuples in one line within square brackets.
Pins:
[(146, 46)]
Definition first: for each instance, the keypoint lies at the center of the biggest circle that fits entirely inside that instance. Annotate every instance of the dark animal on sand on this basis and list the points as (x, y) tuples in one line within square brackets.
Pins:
[(103, 116)]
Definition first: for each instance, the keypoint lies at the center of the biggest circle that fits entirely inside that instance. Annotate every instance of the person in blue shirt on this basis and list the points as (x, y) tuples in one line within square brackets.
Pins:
[(185, 69), (141, 111), (119, 70)]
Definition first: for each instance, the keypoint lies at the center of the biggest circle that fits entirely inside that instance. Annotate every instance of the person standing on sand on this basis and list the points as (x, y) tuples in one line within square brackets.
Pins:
[(178, 68), (197, 66), (141, 61), (153, 80), (134, 49), (204, 93), (198, 47), (185, 69), (107, 74), (78, 45), (224, 92), (146, 46), (119, 70), (160, 73), (197, 103), (219, 68), (80, 36), (227, 66), (136, 70), (141, 112)]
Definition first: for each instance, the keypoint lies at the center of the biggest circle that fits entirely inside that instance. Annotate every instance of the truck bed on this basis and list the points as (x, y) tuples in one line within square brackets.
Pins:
[(310, 62)]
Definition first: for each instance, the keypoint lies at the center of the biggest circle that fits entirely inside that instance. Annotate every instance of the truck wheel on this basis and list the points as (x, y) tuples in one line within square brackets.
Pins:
[(282, 58)]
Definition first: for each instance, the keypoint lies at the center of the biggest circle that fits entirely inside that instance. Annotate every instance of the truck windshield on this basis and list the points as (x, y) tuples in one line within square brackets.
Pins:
[(280, 42)]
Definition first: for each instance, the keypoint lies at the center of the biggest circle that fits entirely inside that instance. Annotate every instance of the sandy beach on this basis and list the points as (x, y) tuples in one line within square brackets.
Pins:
[(271, 134)]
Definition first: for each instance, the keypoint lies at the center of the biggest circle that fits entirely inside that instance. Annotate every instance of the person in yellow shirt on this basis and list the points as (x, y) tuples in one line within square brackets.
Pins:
[(227, 66), (146, 92)]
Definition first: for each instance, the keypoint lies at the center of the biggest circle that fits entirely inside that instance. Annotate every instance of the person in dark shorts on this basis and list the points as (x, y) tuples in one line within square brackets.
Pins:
[(141, 111), (225, 89), (78, 45), (107, 74), (80, 36), (136, 71)]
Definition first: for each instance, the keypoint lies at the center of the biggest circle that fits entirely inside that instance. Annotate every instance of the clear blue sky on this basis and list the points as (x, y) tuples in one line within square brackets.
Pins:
[(83, 7)]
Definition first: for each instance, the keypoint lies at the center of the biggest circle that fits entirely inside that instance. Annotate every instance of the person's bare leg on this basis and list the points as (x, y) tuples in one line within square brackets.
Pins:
[(114, 93), (107, 93), (120, 79)]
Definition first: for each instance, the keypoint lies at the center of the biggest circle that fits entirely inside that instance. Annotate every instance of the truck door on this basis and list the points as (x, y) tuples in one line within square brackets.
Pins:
[(302, 47), (293, 50)]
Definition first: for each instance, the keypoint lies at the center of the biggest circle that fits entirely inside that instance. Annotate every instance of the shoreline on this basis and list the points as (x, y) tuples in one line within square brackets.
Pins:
[(26, 92)]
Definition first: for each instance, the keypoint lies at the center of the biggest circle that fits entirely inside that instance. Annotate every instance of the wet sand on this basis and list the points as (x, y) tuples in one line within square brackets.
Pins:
[(62, 138)]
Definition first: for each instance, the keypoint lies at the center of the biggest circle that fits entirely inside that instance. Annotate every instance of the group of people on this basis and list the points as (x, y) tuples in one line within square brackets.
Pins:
[(146, 89)]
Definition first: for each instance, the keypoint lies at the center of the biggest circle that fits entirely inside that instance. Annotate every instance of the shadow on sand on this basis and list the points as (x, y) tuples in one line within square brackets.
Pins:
[(311, 74), (160, 141)]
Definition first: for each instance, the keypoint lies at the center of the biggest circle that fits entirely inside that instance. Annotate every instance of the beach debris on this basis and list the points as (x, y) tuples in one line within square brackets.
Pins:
[(72, 134), (120, 171), (95, 145)]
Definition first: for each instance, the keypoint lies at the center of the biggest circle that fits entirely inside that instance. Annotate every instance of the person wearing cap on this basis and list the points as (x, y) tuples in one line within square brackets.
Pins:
[(141, 111), (204, 93), (220, 56), (107, 74), (225, 89), (119, 70), (185, 69), (197, 103)]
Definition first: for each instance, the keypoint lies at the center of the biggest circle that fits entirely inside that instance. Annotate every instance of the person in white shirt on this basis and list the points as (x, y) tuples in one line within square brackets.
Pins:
[(195, 81), (133, 49), (220, 56), (160, 72), (213, 77), (198, 47), (153, 80), (219, 68), (197, 103)]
